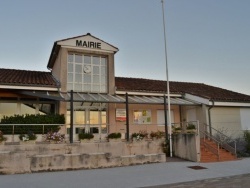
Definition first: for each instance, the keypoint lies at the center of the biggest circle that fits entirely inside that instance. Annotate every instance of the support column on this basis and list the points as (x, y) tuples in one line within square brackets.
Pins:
[(71, 116), (127, 118)]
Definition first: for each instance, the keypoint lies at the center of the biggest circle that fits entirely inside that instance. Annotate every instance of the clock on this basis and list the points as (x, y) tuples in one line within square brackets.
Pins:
[(87, 69)]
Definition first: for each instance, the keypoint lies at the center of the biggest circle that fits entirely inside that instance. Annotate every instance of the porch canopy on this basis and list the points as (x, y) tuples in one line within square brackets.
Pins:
[(92, 98), (107, 98)]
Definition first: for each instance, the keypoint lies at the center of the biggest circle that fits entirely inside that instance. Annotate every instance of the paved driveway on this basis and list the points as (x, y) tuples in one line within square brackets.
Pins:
[(125, 177)]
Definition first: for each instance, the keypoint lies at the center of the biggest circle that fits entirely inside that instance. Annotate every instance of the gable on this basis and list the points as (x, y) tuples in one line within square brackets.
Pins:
[(87, 42), (83, 42)]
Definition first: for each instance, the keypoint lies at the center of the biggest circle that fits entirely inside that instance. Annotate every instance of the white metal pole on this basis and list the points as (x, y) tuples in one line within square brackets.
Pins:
[(168, 92)]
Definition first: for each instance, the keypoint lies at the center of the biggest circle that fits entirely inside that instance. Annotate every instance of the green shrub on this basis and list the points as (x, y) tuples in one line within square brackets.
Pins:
[(29, 136), (32, 119), (83, 136), (191, 126), (177, 128), (114, 135), (247, 140)]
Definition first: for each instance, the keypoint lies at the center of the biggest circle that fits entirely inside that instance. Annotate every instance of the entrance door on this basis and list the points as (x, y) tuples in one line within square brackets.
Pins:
[(89, 119)]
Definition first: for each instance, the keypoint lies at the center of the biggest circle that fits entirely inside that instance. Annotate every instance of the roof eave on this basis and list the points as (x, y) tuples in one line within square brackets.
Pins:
[(29, 87), (53, 55)]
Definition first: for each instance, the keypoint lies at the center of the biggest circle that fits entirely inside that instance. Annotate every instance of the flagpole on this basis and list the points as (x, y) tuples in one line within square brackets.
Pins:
[(167, 76)]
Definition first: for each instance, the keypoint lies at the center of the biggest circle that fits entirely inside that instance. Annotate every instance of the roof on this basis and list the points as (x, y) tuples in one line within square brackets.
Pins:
[(118, 98), (46, 79), (27, 78), (197, 89)]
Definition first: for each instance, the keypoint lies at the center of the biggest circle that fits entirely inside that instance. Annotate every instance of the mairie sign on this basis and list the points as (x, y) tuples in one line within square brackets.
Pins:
[(88, 44)]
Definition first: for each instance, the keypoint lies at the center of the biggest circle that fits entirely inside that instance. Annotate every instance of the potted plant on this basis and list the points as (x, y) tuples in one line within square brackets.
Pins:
[(30, 137), (157, 135), (114, 137), (2, 138), (139, 136), (85, 137), (177, 130), (55, 137), (191, 128)]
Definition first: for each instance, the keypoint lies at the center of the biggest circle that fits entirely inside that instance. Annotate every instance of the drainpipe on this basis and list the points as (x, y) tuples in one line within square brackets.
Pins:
[(209, 118)]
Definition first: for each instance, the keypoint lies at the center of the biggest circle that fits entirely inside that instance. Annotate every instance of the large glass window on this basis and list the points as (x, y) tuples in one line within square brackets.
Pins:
[(87, 73)]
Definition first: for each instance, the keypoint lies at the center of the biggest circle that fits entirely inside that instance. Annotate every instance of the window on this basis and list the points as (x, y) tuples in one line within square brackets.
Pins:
[(87, 73), (161, 117)]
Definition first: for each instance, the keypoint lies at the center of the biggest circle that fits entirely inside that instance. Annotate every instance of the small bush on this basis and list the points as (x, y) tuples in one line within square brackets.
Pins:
[(157, 134), (191, 126), (2, 138), (114, 135), (247, 140), (139, 136), (56, 137), (83, 136), (29, 136)]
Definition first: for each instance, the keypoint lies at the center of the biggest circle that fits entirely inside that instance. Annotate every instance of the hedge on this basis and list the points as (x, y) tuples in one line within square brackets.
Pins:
[(31, 119)]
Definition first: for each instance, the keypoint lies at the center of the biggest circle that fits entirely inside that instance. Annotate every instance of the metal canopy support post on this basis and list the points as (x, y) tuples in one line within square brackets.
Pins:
[(71, 116), (127, 118)]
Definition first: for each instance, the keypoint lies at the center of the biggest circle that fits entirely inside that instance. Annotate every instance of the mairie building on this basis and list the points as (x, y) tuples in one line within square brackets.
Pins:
[(81, 84)]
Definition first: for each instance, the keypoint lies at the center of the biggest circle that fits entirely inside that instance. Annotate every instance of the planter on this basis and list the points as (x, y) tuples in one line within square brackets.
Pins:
[(55, 142), (158, 139), (138, 140), (115, 139), (87, 140), (177, 132), (191, 131), (27, 142)]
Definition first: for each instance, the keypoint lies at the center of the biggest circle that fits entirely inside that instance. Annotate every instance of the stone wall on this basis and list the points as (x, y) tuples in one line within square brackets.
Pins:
[(28, 157), (187, 146)]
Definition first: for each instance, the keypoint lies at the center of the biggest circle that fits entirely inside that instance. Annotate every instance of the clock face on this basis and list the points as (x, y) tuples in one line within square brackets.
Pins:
[(87, 69)]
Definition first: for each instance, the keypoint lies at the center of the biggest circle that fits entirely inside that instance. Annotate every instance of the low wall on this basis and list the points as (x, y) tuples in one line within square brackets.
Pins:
[(28, 157), (187, 146)]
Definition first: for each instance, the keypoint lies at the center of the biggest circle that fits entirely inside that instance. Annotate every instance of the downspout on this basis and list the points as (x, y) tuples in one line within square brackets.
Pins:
[(209, 118)]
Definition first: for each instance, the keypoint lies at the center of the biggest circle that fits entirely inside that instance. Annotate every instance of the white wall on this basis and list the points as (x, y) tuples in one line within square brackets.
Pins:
[(227, 120)]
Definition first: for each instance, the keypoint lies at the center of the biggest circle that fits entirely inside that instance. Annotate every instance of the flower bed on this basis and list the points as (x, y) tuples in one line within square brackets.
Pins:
[(139, 136)]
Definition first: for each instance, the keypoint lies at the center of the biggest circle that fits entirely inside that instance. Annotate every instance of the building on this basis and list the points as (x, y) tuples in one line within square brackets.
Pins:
[(82, 82)]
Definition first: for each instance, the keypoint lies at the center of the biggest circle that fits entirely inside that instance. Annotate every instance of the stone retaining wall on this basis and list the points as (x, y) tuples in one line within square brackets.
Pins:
[(187, 146), (27, 158)]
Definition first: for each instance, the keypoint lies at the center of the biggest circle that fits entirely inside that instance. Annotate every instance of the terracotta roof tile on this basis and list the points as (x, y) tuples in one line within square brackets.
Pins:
[(46, 79), (27, 78), (198, 89)]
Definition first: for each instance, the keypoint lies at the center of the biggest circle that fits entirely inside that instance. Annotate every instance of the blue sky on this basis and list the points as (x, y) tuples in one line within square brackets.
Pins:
[(208, 41)]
